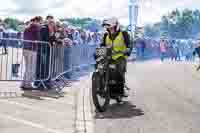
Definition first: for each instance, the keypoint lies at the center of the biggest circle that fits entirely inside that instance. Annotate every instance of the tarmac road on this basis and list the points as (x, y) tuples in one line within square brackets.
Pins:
[(164, 99)]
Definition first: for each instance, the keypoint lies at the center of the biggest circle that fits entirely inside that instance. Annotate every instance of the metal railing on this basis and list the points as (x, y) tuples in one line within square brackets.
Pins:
[(37, 62), (68, 59), (19, 60)]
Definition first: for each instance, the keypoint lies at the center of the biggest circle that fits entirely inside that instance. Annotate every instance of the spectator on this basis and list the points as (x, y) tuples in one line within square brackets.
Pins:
[(171, 50), (177, 50), (96, 38), (60, 34), (1, 35), (39, 19), (90, 40), (76, 37), (69, 33), (68, 58), (58, 50), (187, 51), (27, 24), (31, 33), (163, 49), (140, 43), (47, 34), (83, 37), (143, 46), (19, 35), (5, 41)]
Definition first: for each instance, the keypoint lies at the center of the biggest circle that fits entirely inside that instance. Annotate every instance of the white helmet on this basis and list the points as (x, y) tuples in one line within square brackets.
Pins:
[(111, 22)]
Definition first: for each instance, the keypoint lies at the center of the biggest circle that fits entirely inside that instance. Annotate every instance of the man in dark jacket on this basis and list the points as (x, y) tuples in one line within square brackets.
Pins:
[(47, 35), (141, 47)]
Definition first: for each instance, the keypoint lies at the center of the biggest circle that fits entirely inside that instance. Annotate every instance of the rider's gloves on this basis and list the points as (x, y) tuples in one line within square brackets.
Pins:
[(128, 52)]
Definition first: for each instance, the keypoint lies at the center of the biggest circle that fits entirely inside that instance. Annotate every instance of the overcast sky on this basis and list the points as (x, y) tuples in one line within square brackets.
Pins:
[(149, 11)]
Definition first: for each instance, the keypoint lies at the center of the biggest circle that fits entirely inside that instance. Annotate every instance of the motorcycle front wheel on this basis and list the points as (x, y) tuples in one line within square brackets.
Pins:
[(100, 93)]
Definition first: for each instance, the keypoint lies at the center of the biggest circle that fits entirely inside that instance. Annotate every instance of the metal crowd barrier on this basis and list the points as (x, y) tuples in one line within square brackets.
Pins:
[(22, 60), (57, 61), (85, 55), (37, 61), (67, 60), (41, 63)]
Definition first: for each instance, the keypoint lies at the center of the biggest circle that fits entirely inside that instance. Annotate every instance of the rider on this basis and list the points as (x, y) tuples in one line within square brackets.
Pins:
[(120, 42)]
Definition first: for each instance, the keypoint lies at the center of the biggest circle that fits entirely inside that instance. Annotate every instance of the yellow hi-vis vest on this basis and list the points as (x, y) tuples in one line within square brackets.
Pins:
[(118, 45)]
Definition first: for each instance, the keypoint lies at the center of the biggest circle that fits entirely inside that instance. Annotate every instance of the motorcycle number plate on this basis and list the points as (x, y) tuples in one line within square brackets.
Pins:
[(100, 66), (112, 66), (101, 52)]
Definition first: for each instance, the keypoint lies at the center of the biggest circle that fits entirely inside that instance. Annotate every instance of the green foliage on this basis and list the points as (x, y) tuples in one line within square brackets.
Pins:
[(78, 22), (84, 23), (12, 23), (152, 30)]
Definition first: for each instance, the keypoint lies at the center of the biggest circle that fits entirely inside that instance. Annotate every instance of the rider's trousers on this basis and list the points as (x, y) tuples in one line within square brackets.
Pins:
[(121, 64)]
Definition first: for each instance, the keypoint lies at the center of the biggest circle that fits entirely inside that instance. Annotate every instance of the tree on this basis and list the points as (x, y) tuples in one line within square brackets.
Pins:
[(93, 26), (84, 23), (79, 22), (151, 31), (12, 23), (178, 24), (186, 23), (148, 31), (164, 24), (196, 22)]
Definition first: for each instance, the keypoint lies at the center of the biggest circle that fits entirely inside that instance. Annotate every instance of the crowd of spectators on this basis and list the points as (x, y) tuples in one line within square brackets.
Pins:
[(37, 55), (175, 49)]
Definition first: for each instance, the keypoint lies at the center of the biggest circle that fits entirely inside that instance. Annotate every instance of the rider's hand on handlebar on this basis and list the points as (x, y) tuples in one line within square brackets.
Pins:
[(128, 52)]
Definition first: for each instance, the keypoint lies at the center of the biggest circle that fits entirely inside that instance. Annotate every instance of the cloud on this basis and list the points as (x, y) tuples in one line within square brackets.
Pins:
[(152, 12), (160, 7), (32, 7)]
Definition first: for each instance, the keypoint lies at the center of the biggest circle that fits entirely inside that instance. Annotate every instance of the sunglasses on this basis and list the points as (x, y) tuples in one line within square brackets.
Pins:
[(106, 25)]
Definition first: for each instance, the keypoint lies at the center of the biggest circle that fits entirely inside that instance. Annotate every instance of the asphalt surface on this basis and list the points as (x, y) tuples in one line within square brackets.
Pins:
[(164, 99), (37, 113)]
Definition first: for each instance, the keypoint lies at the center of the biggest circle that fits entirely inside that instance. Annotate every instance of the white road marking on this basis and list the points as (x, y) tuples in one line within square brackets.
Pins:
[(39, 109), (59, 101), (29, 123)]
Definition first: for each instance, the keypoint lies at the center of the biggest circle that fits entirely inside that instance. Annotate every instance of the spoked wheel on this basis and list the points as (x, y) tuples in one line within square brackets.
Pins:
[(100, 93)]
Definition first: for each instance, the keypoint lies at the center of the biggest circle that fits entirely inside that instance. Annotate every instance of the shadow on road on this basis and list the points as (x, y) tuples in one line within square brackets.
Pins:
[(3, 54), (116, 111)]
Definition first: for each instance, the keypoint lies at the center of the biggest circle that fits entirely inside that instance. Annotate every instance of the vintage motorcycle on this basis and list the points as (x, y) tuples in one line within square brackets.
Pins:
[(107, 82)]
